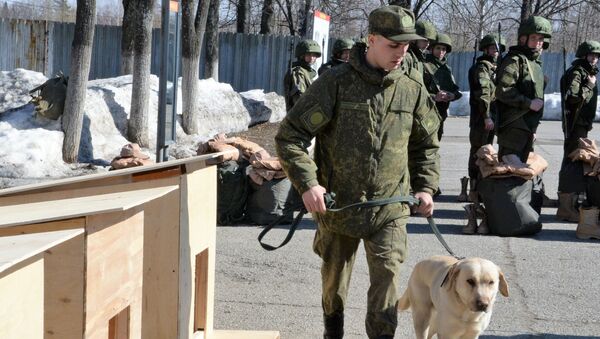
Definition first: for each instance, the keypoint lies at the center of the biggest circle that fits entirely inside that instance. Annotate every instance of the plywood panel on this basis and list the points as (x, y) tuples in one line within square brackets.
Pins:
[(108, 178), (197, 233), (22, 300), (43, 227), (64, 289), (18, 248), (114, 271), (35, 212)]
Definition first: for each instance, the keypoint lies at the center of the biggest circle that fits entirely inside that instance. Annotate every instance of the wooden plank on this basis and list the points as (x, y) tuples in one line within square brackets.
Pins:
[(197, 234), (22, 300), (18, 248), (118, 176), (114, 270), (43, 227), (64, 289), (43, 211)]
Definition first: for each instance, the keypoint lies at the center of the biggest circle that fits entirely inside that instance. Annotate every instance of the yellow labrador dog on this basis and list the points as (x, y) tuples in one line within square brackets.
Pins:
[(453, 298)]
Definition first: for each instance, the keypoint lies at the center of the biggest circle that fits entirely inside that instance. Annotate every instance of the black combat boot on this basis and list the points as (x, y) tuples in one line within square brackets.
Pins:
[(334, 326), (462, 196)]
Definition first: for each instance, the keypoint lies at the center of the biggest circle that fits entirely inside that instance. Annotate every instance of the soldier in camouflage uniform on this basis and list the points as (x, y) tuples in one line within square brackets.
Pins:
[(375, 130), (520, 91), (418, 48), (482, 78), (301, 75), (341, 54), (438, 77), (580, 97)]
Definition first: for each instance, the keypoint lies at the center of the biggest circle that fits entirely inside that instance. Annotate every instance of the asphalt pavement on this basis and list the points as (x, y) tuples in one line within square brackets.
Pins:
[(553, 277)]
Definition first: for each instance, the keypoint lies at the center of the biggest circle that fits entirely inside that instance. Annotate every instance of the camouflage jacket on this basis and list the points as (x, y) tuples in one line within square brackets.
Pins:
[(415, 58), (296, 82), (519, 80), (375, 138), (332, 63), (579, 96), (438, 76), (482, 76)]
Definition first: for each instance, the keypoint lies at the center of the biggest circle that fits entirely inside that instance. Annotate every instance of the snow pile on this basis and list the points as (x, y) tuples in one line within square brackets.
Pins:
[(32, 146)]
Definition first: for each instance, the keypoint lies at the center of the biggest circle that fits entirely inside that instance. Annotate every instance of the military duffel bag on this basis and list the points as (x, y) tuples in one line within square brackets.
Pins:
[(269, 201), (508, 206), (232, 191)]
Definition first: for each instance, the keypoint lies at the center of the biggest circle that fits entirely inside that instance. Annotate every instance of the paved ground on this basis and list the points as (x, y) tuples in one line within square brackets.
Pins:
[(553, 276)]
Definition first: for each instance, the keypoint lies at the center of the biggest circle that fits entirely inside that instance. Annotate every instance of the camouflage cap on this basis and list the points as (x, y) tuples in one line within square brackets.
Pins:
[(394, 23)]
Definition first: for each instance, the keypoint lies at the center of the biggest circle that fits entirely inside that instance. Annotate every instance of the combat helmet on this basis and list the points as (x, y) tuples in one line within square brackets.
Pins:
[(587, 47), (490, 40), (443, 39), (341, 44), (307, 46), (536, 25), (426, 29)]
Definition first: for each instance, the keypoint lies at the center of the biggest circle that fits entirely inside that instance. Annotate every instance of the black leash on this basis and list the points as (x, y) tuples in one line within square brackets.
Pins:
[(330, 203)]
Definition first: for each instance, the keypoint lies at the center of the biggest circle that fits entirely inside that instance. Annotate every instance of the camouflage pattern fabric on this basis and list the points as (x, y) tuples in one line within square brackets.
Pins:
[(327, 66), (414, 58), (481, 82), (379, 128), (520, 80), (296, 82)]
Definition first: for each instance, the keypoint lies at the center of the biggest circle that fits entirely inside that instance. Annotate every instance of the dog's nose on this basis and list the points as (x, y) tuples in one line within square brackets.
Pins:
[(481, 306)]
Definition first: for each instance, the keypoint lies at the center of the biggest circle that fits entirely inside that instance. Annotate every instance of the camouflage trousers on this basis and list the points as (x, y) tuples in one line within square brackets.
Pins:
[(478, 137), (385, 250), (515, 141)]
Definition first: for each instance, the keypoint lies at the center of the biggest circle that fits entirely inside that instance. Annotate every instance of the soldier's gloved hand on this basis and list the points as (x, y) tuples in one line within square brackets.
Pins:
[(313, 199), (489, 124), (425, 208), (536, 104)]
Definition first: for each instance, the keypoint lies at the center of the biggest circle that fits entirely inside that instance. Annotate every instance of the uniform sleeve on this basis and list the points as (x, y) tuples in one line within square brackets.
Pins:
[(485, 96), (423, 146), (579, 89), (506, 90), (310, 114), (298, 85), (454, 87)]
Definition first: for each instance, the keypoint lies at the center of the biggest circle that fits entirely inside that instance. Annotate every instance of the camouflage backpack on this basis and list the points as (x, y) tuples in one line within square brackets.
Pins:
[(49, 97)]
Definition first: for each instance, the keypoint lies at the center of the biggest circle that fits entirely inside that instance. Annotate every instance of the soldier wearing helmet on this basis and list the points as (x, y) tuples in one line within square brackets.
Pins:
[(520, 91), (438, 77), (579, 95), (375, 130), (301, 75), (418, 48), (482, 78), (341, 54)]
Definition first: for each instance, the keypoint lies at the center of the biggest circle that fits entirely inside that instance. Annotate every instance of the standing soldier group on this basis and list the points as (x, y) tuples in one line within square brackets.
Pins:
[(376, 112)]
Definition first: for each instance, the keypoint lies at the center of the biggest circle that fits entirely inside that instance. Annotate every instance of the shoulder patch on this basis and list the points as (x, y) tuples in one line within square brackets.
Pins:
[(314, 118)]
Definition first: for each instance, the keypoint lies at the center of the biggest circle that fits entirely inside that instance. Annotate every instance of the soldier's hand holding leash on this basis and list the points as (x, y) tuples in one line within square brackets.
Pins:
[(536, 104), (313, 199), (425, 207)]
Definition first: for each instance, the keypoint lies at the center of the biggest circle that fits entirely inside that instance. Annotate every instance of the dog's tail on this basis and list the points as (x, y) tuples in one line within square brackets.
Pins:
[(404, 302)]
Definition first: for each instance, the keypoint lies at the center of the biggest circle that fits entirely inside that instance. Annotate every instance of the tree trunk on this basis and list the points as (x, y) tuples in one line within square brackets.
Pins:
[(266, 18), (305, 14), (81, 56), (403, 3), (243, 12), (526, 9), (211, 66), (193, 25), (137, 128), (127, 37)]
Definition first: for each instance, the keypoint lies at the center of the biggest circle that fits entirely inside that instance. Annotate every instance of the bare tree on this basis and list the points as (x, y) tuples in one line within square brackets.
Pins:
[(243, 12), (127, 36), (81, 56), (305, 14), (211, 65), (137, 128), (266, 18), (193, 27), (403, 3)]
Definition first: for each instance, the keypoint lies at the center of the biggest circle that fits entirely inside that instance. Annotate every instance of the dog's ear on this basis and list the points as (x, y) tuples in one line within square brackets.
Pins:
[(450, 278), (502, 284)]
